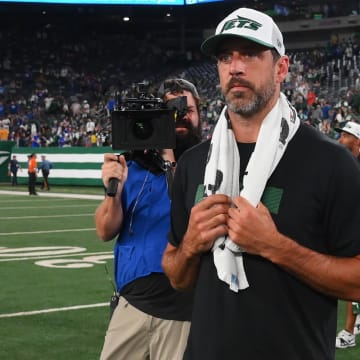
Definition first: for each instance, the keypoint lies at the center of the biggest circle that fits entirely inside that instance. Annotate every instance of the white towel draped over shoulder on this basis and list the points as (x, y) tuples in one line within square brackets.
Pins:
[(223, 170)]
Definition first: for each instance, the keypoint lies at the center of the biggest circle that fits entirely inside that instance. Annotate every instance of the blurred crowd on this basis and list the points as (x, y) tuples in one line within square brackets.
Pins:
[(60, 92)]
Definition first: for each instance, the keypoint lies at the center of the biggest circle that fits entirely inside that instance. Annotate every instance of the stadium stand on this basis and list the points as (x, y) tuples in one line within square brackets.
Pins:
[(59, 81)]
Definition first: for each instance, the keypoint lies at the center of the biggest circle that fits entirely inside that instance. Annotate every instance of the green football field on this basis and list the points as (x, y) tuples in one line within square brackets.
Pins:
[(54, 282), (56, 277)]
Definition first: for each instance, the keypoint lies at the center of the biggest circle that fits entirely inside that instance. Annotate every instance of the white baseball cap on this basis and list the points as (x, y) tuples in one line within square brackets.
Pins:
[(350, 127), (249, 24)]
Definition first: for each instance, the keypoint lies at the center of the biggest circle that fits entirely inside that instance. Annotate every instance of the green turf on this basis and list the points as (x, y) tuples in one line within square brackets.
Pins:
[(37, 279)]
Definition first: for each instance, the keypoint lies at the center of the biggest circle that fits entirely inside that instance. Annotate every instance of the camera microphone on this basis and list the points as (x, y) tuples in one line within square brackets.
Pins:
[(112, 188)]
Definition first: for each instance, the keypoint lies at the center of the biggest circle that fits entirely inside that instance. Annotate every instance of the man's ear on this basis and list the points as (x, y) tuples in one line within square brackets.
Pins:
[(282, 68)]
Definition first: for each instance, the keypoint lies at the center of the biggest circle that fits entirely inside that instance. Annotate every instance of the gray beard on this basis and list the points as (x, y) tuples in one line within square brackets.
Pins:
[(254, 105)]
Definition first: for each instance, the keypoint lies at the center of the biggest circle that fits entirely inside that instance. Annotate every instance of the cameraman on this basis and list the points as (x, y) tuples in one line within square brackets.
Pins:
[(151, 320)]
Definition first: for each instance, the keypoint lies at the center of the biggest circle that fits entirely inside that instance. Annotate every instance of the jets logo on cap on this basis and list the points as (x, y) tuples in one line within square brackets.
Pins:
[(241, 22)]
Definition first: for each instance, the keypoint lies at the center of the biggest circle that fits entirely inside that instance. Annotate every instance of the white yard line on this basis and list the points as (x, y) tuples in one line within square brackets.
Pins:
[(50, 194), (46, 231), (45, 311), (17, 201), (44, 207), (44, 216), (54, 256)]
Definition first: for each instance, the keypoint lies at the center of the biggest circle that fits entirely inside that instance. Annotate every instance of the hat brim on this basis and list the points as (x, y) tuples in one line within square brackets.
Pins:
[(339, 130), (210, 45)]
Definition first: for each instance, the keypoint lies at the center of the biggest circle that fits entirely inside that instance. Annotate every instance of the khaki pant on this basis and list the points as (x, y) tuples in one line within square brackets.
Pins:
[(135, 335)]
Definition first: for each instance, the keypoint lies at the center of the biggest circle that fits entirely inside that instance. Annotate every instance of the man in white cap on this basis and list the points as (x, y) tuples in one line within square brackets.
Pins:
[(264, 230), (350, 138)]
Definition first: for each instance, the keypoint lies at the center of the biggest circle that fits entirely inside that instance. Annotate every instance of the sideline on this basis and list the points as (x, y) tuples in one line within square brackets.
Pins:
[(61, 195), (37, 312)]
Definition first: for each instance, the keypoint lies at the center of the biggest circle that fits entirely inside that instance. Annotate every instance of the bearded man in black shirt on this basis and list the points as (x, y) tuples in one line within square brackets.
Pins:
[(265, 215)]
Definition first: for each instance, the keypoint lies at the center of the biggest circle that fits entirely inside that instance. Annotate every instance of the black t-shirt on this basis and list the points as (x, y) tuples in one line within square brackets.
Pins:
[(314, 198), (154, 295)]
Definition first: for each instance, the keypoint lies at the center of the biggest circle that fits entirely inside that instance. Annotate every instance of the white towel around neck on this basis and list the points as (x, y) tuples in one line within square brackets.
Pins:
[(223, 170)]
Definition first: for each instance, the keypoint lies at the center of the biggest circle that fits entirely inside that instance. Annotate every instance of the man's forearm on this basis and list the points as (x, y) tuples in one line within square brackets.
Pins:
[(108, 218), (333, 276), (181, 268)]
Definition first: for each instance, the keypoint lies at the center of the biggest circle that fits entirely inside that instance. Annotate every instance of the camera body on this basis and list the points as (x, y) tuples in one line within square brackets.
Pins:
[(146, 122)]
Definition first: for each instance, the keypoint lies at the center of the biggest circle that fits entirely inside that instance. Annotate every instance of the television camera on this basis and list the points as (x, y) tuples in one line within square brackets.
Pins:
[(145, 121), (144, 125)]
